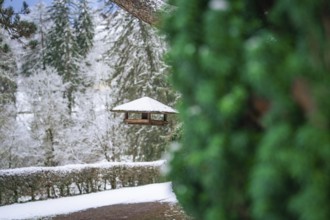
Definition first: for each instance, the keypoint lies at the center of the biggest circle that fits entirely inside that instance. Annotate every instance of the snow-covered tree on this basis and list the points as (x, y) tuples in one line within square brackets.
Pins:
[(68, 42), (95, 103), (45, 89), (17, 148), (136, 57), (8, 70), (84, 28), (62, 49), (66, 65), (34, 54), (8, 88), (14, 139)]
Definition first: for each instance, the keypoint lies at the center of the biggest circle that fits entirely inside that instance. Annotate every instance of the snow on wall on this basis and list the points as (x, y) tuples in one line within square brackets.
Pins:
[(38, 183)]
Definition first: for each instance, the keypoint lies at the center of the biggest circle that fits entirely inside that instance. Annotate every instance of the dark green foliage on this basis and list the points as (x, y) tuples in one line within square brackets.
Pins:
[(254, 82)]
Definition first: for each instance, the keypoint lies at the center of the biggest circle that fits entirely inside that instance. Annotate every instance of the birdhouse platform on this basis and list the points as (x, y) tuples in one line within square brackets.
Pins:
[(145, 111)]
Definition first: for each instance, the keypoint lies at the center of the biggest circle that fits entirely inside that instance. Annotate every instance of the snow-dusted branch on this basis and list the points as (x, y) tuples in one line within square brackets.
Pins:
[(145, 10)]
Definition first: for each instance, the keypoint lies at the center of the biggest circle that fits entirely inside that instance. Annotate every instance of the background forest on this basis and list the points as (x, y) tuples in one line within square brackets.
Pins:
[(58, 85)]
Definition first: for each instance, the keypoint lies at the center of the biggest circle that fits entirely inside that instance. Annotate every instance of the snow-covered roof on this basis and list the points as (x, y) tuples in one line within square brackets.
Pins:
[(144, 104)]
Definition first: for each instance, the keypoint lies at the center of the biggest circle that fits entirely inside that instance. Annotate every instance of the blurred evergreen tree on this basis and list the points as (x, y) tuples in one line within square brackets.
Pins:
[(255, 108)]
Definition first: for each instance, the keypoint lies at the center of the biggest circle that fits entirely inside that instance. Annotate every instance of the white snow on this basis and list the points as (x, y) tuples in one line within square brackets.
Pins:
[(161, 192), (144, 104), (25, 171)]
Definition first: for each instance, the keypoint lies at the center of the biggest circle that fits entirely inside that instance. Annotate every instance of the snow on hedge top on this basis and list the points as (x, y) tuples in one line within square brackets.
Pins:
[(144, 104), (26, 171)]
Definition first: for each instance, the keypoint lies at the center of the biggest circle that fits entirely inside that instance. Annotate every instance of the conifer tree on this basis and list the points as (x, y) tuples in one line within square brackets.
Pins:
[(255, 108), (8, 89), (84, 28), (44, 90), (12, 27), (34, 55), (136, 57), (7, 72), (62, 49)]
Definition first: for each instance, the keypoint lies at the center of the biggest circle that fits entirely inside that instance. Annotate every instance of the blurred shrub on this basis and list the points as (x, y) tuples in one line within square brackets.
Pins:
[(254, 78)]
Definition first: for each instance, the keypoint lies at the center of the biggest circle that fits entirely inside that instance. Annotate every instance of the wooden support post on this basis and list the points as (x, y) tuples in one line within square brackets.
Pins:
[(126, 117)]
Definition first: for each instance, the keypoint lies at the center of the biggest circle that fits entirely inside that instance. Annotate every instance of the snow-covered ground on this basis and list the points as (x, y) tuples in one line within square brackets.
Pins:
[(161, 192)]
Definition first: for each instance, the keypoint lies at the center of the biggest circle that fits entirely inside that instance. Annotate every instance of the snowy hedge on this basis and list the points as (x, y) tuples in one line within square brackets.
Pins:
[(37, 183)]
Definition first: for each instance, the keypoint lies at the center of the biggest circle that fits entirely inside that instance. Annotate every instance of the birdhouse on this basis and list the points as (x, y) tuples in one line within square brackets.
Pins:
[(145, 111)]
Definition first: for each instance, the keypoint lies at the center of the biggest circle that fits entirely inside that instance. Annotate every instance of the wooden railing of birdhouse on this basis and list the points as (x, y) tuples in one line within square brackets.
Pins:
[(145, 121)]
